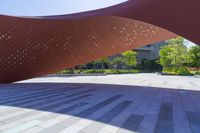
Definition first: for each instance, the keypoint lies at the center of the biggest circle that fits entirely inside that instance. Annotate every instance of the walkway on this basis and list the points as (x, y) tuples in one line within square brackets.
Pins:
[(101, 108)]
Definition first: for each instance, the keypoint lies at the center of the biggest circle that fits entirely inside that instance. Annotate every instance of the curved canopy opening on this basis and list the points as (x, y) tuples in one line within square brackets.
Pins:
[(52, 7)]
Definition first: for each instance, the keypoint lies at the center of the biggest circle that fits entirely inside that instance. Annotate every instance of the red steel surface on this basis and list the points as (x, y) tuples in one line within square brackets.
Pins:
[(31, 47)]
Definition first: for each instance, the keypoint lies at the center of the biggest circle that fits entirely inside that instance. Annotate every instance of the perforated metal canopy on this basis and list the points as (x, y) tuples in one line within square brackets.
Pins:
[(31, 47)]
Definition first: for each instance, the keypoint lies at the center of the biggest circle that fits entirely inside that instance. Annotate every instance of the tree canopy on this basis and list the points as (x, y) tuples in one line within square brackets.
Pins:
[(194, 56), (129, 58), (173, 55)]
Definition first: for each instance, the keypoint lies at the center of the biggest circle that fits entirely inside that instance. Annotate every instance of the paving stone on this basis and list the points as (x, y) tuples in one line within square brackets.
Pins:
[(132, 124), (170, 105), (165, 119)]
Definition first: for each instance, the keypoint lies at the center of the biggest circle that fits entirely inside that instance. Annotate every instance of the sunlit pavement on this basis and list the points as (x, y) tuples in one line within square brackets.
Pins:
[(142, 103), (144, 79)]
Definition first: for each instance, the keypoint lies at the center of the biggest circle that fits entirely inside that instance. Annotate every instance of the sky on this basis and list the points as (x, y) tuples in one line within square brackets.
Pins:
[(52, 7), (188, 43)]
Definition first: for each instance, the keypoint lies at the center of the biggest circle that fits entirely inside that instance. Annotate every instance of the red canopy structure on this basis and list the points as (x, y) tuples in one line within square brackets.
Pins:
[(31, 47)]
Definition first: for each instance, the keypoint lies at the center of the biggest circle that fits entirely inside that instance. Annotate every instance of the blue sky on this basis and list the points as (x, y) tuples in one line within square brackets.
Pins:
[(52, 7), (189, 43)]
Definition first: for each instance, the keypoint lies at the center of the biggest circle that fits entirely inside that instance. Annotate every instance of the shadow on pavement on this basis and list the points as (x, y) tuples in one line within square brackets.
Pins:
[(127, 108)]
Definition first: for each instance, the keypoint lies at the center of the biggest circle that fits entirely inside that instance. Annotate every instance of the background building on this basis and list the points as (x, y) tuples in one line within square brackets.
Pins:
[(149, 52)]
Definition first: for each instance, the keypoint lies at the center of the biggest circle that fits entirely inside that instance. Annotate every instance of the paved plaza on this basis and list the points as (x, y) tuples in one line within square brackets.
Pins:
[(131, 103)]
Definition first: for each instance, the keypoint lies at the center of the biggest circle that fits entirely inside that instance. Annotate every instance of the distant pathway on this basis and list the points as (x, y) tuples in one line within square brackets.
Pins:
[(144, 79)]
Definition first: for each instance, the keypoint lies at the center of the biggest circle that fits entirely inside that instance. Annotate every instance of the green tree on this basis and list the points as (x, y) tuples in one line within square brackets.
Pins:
[(100, 63), (116, 62), (173, 55), (104, 61), (96, 64), (129, 59), (194, 57), (165, 59)]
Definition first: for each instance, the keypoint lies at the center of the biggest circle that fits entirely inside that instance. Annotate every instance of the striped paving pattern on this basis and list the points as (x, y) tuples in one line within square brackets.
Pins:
[(97, 108)]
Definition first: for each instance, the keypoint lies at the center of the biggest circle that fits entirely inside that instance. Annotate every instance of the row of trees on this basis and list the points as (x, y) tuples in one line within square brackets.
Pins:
[(176, 56), (127, 59)]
